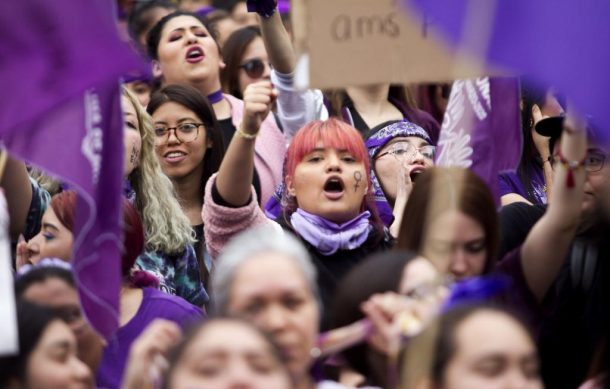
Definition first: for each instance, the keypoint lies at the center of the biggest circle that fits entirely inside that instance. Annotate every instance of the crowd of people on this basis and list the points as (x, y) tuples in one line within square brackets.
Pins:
[(278, 238)]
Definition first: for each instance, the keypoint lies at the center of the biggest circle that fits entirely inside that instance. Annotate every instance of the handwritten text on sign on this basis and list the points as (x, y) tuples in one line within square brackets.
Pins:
[(358, 42)]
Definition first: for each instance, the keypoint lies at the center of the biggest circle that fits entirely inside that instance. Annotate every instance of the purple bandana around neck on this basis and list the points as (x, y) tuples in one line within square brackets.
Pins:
[(215, 97), (329, 237)]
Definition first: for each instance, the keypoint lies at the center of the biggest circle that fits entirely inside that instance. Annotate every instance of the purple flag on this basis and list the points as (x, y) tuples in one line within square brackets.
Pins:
[(481, 129), (563, 44), (61, 61)]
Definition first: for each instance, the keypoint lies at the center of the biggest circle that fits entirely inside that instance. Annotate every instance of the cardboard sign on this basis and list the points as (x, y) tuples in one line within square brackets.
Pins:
[(359, 42)]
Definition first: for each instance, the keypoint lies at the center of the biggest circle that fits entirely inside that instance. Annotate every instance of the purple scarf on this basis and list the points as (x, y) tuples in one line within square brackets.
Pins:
[(329, 237)]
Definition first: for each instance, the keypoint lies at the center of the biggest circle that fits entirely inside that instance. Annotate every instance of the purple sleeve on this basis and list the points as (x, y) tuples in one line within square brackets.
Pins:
[(509, 182)]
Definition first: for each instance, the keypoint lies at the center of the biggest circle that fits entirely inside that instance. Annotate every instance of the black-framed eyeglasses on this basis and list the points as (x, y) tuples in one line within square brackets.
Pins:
[(406, 151), (255, 68), (185, 132), (594, 161)]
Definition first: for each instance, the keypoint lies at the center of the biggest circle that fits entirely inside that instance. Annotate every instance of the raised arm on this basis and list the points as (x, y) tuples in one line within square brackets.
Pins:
[(546, 246), (278, 44), (18, 192), (236, 171), (295, 107)]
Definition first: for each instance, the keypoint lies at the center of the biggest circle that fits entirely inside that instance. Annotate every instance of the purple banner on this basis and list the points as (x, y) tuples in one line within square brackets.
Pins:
[(61, 61), (481, 129), (561, 44)]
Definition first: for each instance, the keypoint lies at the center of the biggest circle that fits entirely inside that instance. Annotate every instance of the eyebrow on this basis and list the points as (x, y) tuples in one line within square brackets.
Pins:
[(186, 119), (49, 225), (62, 345), (182, 29)]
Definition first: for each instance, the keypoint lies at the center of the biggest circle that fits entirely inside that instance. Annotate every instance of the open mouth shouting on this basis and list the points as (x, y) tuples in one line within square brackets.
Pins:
[(194, 54), (415, 172), (334, 188)]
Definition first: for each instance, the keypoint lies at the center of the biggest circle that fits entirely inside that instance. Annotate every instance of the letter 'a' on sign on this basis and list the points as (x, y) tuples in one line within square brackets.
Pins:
[(358, 42)]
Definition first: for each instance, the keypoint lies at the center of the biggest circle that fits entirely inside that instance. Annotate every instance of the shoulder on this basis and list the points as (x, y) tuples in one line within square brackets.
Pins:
[(170, 306)]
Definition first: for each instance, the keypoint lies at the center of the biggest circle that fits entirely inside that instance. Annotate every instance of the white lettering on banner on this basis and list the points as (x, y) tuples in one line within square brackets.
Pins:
[(454, 143), (93, 142), (473, 97), (485, 90)]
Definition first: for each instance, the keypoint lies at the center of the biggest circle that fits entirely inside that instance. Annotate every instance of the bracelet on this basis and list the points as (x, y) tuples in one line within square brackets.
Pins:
[(245, 135), (570, 165)]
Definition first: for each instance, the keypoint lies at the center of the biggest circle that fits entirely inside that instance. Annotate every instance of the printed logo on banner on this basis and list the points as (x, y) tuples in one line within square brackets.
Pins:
[(455, 144), (93, 142)]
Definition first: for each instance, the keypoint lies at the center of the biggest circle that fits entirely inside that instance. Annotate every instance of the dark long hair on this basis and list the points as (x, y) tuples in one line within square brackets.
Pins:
[(233, 52), (193, 100), (440, 189), (530, 160)]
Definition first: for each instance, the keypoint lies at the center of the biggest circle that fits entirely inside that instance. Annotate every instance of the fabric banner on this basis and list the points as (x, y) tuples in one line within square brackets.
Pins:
[(481, 129), (9, 344), (358, 42), (61, 61), (562, 45)]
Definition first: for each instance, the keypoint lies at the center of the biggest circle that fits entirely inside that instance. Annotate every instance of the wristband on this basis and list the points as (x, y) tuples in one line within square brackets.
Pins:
[(570, 165), (265, 8), (245, 135)]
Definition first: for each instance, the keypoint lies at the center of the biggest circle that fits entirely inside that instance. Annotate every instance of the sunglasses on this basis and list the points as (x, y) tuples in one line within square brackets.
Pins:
[(255, 68)]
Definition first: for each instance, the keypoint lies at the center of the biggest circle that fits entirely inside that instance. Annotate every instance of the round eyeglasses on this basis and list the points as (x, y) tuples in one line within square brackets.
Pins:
[(185, 132), (255, 68), (406, 151)]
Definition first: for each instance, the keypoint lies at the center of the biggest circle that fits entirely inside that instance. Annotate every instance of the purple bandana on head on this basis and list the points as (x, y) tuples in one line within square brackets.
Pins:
[(375, 142), (329, 237)]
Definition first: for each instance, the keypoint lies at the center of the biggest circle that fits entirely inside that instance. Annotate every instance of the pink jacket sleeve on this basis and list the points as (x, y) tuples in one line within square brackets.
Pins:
[(221, 223)]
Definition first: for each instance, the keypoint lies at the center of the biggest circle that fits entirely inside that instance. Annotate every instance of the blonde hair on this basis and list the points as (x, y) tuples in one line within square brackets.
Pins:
[(166, 227)]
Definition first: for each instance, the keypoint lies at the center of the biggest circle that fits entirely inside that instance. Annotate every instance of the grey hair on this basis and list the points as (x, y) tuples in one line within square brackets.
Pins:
[(244, 247)]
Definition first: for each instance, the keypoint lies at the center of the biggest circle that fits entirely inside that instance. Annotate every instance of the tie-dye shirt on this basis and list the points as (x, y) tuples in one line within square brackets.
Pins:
[(178, 274)]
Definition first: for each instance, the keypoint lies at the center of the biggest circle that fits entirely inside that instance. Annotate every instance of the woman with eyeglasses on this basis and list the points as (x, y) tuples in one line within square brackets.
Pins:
[(399, 151), (189, 146), (184, 52), (246, 59)]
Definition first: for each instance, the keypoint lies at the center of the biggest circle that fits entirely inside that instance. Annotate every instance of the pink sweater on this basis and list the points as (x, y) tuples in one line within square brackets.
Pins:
[(269, 149), (222, 223)]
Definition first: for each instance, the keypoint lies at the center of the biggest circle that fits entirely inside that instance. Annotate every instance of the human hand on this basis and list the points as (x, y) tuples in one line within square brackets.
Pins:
[(22, 253), (393, 317), (404, 186), (258, 100), (146, 363)]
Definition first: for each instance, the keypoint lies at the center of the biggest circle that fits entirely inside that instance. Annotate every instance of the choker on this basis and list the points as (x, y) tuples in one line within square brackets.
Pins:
[(216, 97)]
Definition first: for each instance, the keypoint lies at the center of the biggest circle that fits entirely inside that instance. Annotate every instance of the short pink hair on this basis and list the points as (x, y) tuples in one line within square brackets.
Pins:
[(331, 133), (335, 134)]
